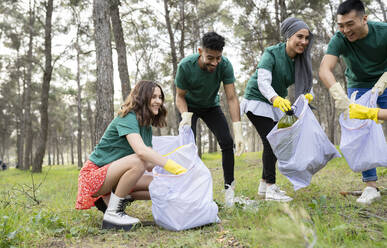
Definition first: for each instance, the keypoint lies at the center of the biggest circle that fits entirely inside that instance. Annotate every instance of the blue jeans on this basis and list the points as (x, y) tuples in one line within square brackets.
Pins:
[(370, 175)]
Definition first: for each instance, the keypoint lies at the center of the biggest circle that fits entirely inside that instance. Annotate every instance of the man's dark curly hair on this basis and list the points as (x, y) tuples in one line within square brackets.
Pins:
[(213, 41), (349, 5)]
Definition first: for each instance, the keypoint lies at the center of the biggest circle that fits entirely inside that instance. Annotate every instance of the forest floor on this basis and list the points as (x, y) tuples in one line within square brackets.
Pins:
[(38, 211)]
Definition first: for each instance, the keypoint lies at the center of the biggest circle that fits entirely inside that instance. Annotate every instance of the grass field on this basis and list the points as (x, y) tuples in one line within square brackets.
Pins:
[(317, 216)]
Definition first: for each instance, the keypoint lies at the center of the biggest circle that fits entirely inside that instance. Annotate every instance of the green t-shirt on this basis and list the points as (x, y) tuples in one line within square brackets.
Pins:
[(114, 145), (276, 60), (202, 86), (366, 59)]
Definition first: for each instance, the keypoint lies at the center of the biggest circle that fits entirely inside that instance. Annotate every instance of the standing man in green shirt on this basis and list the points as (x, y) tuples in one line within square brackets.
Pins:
[(197, 81), (363, 46)]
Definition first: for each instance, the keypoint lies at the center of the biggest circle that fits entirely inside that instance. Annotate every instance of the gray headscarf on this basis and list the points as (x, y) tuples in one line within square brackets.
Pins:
[(303, 62)]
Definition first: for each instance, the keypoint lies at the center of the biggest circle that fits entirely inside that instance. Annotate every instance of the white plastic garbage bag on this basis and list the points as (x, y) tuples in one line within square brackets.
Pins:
[(362, 141), (302, 149), (182, 201)]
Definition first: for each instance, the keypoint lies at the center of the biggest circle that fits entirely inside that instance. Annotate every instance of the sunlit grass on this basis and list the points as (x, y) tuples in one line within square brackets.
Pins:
[(318, 213)]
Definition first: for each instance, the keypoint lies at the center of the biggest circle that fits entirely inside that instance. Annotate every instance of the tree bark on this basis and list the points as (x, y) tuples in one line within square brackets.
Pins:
[(182, 28), (79, 101), (210, 141), (90, 120), (105, 87), (41, 149), (49, 151), (19, 119), (57, 148), (28, 89), (120, 47), (71, 145), (174, 58)]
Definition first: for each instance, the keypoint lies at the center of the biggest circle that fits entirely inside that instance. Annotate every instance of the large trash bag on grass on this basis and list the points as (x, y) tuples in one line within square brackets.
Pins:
[(303, 148), (363, 143), (182, 201)]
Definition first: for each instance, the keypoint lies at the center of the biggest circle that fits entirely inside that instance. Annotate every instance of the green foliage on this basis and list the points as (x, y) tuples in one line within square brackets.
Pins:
[(8, 236)]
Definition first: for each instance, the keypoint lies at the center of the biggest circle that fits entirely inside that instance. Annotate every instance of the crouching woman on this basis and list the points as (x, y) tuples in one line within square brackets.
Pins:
[(118, 162)]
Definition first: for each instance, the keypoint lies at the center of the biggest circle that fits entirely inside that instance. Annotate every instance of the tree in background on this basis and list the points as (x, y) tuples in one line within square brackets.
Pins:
[(104, 85), (41, 146)]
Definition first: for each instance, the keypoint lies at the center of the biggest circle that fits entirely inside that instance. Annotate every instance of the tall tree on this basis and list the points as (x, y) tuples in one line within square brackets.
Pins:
[(79, 100), (105, 87), (172, 53), (41, 148), (120, 47), (28, 91)]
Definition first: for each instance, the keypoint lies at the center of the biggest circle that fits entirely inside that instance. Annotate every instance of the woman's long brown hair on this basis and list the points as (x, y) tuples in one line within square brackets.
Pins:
[(139, 100)]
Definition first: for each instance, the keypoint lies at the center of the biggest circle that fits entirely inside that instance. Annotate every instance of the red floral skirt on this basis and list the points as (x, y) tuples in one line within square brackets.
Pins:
[(90, 180)]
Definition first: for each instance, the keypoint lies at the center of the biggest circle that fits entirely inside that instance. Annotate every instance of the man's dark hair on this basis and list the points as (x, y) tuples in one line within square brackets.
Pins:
[(213, 41), (349, 5)]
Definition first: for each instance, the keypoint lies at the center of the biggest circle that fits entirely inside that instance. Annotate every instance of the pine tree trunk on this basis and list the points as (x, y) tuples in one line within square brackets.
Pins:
[(90, 120), (105, 87), (72, 147), (215, 144), (120, 47), (19, 120), (28, 89), (79, 102), (41, 147), (53, 148), (57, 149), (210, 141), (174, 59)]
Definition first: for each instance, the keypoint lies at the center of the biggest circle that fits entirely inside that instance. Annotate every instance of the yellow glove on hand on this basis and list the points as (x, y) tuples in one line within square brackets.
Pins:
[(357, 111), (309, 97), (282, 104), (173, 167), (381, 84), (341, 100), (238, 138), (186, 118)]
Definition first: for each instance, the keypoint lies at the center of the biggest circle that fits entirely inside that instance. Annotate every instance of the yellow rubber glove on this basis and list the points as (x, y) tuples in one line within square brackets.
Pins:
[(173, 167), (357, 111), (341, 100), (186, 118), (381, 84), (309, 97), (238, 138), (282, 104)]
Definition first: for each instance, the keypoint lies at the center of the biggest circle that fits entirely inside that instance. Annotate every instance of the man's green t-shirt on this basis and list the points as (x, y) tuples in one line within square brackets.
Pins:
[(202, 86), (366, 59), (276, 60), (114, 145)]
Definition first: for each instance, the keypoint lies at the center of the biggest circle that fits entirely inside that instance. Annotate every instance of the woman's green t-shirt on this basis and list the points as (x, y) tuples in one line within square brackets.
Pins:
[(276, 60), (114, 145)]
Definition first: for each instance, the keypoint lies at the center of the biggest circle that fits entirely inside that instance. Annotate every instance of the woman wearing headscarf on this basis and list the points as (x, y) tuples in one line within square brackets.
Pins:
[(264, 100)]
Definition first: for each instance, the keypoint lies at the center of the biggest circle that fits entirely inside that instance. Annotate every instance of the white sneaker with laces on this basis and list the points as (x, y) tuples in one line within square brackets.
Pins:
[(369, 195), (115, 216), (229, 195), (262, 189), (273, 193)]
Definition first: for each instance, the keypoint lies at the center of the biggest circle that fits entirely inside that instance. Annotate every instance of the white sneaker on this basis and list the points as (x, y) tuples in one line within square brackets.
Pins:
[(369, 195), (273, 193), (262, 189), (229, 195), (115, 216)]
